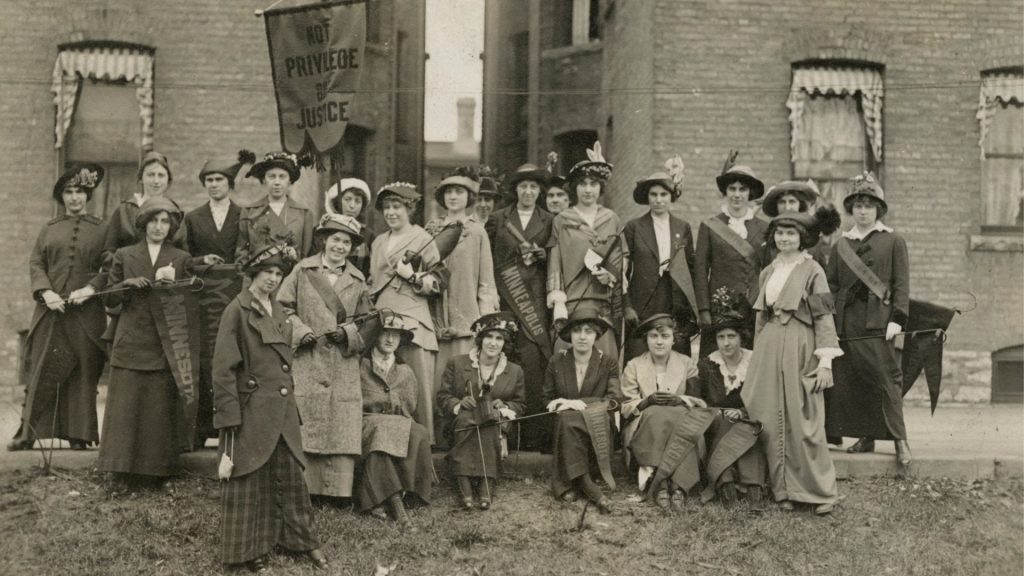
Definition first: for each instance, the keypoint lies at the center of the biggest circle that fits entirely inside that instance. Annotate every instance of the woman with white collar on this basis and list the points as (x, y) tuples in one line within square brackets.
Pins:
[(869, 273), (729, 246), (479, 389)]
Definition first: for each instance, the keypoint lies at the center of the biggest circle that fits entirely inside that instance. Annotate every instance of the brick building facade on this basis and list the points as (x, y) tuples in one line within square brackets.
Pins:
[(655, 78), (212, 95)]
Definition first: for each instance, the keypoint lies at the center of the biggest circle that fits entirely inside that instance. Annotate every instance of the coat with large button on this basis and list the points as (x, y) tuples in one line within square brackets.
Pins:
[(253, 391)]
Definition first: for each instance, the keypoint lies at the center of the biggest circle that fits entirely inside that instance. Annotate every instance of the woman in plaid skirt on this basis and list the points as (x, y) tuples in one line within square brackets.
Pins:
[(265, 499)]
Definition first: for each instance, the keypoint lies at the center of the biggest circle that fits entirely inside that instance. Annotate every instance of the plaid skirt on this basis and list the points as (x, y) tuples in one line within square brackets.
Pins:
[(266, 508)]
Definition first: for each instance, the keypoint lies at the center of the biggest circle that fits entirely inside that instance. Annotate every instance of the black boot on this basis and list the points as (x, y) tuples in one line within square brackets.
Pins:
[(862, 446)]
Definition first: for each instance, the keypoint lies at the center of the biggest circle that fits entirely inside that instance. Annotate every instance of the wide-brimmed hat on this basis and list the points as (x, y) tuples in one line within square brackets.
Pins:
[(85, 177), (528, 172), (584, 313), (404, 191), (392, 321), (643, 187), (268, 255), (333, 194), (805, 192), (226, 165), (498, 321), (154, 157), (740, 173), (331, 223), (865, 186), (594, 166), (729, 309), (283, 160), (655, 321), (471, 186), (155, 205)]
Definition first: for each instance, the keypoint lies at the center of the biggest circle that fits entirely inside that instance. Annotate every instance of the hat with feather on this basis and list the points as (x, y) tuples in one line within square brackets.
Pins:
[(671, 180), (732, 172), (228, 166), (594, 166)]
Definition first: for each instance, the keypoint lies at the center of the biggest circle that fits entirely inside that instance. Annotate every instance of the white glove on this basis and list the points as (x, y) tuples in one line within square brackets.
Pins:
[(891, 330), (507, 413), (404, 269), (81, 295), (165, 274), (555, 404), (560, 312), (456, 409), (693, 402), (578, 405), (53, 301)]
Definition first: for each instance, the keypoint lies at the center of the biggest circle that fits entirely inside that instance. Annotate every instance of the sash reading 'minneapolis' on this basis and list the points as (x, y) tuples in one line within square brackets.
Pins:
[(515, 293)]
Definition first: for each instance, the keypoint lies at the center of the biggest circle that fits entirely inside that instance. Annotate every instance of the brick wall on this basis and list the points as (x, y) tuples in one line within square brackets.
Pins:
[(213, 95)]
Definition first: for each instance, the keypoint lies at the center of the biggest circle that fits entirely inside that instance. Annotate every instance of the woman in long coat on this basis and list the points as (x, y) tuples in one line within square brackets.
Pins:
[(730, 246), (791, 364), (867, 401), (319, 296), (265, 501), (143, 427), (398, 286), (351, 197), (276, 217), (663, 429), (478, 389), (587, 259), (397, 468), (521, 234), (582, 385), (471, 291), (64, 350)]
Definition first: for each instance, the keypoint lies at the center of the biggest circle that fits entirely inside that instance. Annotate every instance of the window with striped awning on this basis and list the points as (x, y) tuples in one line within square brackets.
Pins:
[(1001, 117)]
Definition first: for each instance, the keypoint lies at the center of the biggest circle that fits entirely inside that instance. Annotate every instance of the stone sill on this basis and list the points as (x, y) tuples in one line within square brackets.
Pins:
[(1004, 239), (570, 51)]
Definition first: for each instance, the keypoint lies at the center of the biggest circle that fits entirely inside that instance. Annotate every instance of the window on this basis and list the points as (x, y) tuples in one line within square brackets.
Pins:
[(572, 147), (1001, 115), (104, 113), (576, 22), (836, 125), (1008, 375)]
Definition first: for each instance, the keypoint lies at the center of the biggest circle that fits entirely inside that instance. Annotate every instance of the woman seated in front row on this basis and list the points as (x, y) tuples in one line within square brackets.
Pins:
[(735, 461), (664, 425), (582, 385), (397, 468), (478, 390)]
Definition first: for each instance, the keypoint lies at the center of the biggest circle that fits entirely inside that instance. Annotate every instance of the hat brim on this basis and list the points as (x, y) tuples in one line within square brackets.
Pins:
[(770, 206), (848, 203), (58, 187), (540, 176), (600, 324), (260, 169), (330, 230), (755, 185), (642, 191), (472, 189)]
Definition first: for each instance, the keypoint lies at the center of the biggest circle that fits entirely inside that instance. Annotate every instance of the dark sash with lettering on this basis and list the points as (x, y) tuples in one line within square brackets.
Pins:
[(524, 304), (740, 438), (176, 313), (682, 447), (599, 430), (679, 270), (862, 271), (722, 230)]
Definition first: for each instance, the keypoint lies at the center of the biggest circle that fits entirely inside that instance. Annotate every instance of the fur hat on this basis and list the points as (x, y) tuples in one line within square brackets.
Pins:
[(226, 165), (85, 177)]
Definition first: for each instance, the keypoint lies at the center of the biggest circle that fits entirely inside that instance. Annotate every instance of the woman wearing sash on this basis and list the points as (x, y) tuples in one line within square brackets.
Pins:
[(397, 468), (729, 246), (521, 233), (587, 255), (661, 261), (582, 385), (64, 350), (320, 296), (264, 501), (662, 432), (721, 377), (471, 292), (479, 389), (791, 364), (276, 216), (142, 428), (869, 273), (405, 272), (155, 179), (351, 197)]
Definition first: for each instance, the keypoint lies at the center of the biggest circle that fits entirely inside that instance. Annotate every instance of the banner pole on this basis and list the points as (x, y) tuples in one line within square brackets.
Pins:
[(257, 12)]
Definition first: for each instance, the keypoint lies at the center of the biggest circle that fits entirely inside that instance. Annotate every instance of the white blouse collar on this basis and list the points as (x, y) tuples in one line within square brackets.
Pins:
[(474, 357), (741, 369), (855, 234)]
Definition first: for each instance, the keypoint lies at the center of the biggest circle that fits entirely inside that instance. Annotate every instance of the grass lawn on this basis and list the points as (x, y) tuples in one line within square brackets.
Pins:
[(66, 524)]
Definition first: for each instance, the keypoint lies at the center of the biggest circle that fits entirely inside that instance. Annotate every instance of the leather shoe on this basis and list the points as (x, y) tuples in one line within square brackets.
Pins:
[(259, 565), (903, 455), (18, 445), (862, 446), (786, 506), (78, 444), (604, 505), (467, 503), (569, 497), (754, 494), (318, 559), (485, 503), (661, 499), (824, 509), (727, 493)]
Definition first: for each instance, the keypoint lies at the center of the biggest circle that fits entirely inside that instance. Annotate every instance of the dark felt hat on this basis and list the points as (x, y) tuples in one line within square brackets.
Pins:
[(740, 173), (226, 165), (155, 205), (655, 321), (283, 160), (802, 191), (83, 176), (584, 313), (528, 172), (865, 186)]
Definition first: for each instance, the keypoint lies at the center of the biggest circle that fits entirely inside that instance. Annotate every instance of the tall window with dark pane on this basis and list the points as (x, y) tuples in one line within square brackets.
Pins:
[(106, 130)]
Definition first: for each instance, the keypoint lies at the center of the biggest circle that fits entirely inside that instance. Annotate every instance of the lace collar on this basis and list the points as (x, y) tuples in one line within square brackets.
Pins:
[(732, 381), (474, 357)]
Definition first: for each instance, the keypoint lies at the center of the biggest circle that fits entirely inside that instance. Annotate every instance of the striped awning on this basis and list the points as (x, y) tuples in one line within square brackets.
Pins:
[(997, 89), (102, 63), (865, 83)]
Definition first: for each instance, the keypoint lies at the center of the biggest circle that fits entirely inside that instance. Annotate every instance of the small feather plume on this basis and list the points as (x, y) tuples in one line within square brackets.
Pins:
[(552, 161), (594, 154), (306, 160), (730, 160), (828, 219), (246, 156), (676, 170), (813, 186)]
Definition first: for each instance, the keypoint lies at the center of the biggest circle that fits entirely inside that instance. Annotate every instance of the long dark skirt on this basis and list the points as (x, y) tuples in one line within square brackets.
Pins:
[(384, 475), (867, 398), (533, 434), (475, 452), (140, 426), (572, 452), (266, 508), (60, 400)]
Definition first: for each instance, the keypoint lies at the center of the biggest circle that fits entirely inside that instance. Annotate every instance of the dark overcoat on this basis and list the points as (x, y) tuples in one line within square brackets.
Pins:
[(204, 238), (718, 264)]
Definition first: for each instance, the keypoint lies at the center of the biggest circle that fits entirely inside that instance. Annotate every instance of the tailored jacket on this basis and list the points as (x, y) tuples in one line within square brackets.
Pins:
[(137, 343), (394, 293), (717, 264), (506, 247), (461, 378), (885, 253), (471, 292), (643, 258), (252, 384), (256, 219), (601, 381), (68, 255), (204, 238)]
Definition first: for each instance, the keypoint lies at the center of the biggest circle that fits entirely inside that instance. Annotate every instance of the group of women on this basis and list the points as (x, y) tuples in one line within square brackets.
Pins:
[(348, 354)]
